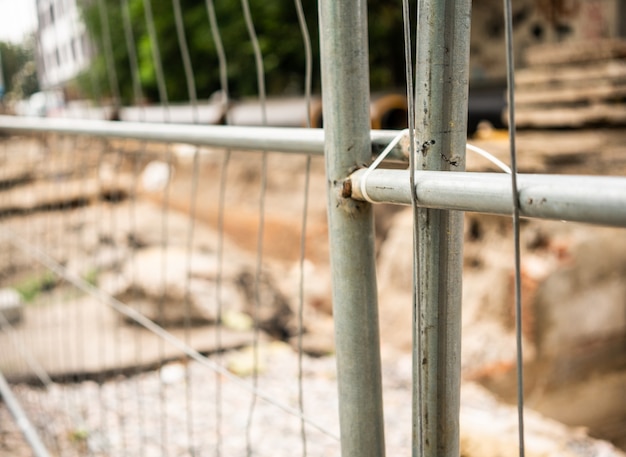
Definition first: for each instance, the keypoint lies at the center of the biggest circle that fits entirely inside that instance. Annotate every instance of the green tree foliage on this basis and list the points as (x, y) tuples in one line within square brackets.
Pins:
[(386, 44), (280, 40), (19, 69)]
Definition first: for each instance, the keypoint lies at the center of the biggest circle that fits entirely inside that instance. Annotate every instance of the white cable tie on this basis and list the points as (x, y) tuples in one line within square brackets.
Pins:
[(363, 182), (490, 157), (379, 159)]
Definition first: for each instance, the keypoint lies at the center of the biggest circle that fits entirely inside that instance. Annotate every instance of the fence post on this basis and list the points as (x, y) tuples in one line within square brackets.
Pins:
[(345, 91), (441, 122)]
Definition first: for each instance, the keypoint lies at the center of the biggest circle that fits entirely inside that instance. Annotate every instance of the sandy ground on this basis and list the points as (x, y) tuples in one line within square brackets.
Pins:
[(81, 239)]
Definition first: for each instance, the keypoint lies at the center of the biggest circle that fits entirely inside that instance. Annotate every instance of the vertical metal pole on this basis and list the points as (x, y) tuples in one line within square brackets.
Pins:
[(345, 90), (441, 122)]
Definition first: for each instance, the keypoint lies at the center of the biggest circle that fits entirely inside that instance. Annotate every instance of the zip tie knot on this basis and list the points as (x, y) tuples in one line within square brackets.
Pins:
[(396, 140), (379, 159)]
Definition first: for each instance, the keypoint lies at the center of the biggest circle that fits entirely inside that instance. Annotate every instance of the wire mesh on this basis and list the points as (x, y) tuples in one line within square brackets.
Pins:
[(95, 349), (113, 394), (170, 288)]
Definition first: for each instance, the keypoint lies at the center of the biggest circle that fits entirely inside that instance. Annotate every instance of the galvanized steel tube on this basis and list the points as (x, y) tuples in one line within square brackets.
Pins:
[(295, 140), (592, 199), (442, 75), (345, 90)]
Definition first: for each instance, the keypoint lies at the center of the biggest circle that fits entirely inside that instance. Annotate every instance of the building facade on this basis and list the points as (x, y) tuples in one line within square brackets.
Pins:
[(63, 46)]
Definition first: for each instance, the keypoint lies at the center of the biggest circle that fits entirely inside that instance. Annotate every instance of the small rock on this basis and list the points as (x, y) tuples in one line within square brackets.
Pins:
[(11, 306), (236, 320), (156, 176), (185, 291), (172, 373)]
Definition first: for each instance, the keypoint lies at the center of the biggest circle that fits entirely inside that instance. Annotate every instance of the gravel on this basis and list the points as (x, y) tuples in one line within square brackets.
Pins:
[(185, 409), (147, 414)]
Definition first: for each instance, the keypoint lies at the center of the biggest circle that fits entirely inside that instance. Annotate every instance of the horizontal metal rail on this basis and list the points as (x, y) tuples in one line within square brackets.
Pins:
[(598, 200), (295, 140), (592, 199)]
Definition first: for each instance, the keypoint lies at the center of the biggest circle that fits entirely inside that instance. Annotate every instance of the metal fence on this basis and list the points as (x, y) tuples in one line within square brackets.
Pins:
[(138, 315)]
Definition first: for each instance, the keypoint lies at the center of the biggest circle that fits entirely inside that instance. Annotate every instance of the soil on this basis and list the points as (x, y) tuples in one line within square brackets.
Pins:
[(116, 213)]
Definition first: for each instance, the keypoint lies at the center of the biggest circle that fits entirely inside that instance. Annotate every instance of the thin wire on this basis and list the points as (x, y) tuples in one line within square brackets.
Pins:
[(132, 52), (40, 238), (138, 98), (63, 186), (79, 318), (218, 296), (156, 57), (305, 209), (187, 67), (63, 403), (64, 227), (221, 56), (48, 238), (223, 72), (259, 264), (193, 98), (187, 320), (46, 260), (93, 80), (64, 345), (115, 89), (133, 280), (257, 296), (84, 171), (98, 94), (161, 304), (100, 338), (108, 55), (258, 58), (411, 97), (510, 76), (117, 270)]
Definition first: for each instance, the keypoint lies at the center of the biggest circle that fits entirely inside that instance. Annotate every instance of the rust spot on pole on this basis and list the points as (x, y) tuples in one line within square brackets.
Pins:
[(346, 190)]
